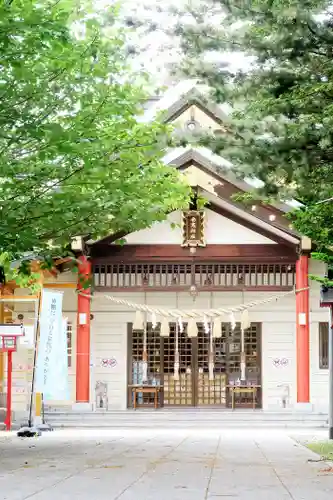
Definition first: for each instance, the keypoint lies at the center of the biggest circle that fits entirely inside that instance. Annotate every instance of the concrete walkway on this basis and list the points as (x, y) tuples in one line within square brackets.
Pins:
[(161, 465)]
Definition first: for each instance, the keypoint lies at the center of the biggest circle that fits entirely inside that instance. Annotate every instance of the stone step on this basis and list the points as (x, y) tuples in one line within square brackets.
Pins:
[(186, 419), (186, 416)]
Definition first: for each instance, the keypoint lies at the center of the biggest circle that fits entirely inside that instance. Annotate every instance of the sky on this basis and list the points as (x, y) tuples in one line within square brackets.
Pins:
[(159, 51)]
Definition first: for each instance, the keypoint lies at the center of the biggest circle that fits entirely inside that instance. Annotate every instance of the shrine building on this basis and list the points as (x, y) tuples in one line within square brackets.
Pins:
[(220, 256)]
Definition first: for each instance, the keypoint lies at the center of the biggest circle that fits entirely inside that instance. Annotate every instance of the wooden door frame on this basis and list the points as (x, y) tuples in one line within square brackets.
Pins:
[(194, 367)]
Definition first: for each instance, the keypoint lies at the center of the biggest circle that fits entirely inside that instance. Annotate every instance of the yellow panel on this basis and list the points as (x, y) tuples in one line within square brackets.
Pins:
[(38, 404)]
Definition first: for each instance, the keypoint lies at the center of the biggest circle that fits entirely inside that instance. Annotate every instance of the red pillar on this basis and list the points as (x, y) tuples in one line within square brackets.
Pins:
[(8, 420), (303, 330), (83, 333)]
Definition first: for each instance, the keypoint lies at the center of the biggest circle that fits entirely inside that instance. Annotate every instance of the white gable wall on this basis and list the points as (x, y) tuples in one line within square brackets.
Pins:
[(159, 233), (205, 121), (218, 231)]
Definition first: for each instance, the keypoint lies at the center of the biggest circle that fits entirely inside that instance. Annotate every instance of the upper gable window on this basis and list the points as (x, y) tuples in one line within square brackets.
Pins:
[(192, 126)]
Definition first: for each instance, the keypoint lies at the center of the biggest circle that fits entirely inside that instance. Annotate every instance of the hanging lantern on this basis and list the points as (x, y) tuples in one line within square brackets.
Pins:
[(139, 321), (165, 328), (232, 321), (245, 320), (217, 328), (192, 329)]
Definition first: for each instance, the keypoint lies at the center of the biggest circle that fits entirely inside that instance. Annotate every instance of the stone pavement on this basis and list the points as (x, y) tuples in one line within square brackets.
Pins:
[(160, 465)]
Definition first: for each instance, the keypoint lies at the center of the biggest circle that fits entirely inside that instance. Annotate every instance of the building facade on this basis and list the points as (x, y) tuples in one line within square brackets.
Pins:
[(224, 255)]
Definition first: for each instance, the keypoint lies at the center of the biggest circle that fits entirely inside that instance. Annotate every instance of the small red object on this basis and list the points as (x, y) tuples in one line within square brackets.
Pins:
[(8, 344)]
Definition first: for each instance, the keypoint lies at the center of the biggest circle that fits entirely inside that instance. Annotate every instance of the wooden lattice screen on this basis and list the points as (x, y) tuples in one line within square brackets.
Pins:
[(205, 276)]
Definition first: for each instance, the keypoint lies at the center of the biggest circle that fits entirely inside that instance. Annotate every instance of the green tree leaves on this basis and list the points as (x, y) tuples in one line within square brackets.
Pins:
[(281, 130), (74, 158)]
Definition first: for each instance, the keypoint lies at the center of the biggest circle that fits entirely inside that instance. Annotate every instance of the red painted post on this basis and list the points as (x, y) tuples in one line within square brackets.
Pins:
[(83, 334), (303, 330), (9, 390)]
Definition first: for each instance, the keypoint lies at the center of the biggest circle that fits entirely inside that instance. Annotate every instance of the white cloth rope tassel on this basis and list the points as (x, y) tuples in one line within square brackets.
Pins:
[(232, 321), (243, 366), (165, 328), (144, 371), (139, 321), (211, 370), (180, 325), (192, 329), (206, 325), (217, 328), (245, 320), (153, 320), (176, 367)]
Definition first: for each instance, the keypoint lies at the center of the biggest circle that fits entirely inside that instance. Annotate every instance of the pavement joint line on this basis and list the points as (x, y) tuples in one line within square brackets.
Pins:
[(150, 467), (31, 495), (182, 462), (52, 456), (212, 467), (270, 463), (79, 471)]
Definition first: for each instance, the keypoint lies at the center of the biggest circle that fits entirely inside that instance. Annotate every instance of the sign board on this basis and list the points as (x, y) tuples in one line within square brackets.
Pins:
[(51, 371), (193, 228), (11, 330), (280, 362), (109, 362), (82, 319)]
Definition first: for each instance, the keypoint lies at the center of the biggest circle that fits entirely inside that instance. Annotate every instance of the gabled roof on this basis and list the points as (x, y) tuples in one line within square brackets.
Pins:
[(220, 168), (253, 221), (217, 180), (217, 185), (178, 99), (226, 184), (194, 96)]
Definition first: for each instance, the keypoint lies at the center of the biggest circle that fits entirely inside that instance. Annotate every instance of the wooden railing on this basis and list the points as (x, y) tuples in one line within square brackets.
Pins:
[(208, 276)]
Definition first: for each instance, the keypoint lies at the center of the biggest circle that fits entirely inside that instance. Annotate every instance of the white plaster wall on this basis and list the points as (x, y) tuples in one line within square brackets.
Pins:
[(319, 377), (159, 233), (109, 340), (206, 122), (218, 230)]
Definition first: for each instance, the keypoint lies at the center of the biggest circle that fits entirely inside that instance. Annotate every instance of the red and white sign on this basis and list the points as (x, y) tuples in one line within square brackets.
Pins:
[(109, 362)]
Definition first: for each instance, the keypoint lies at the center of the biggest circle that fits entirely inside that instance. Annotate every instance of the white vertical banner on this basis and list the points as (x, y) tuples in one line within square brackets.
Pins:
[(61, 391), (51, 377)]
